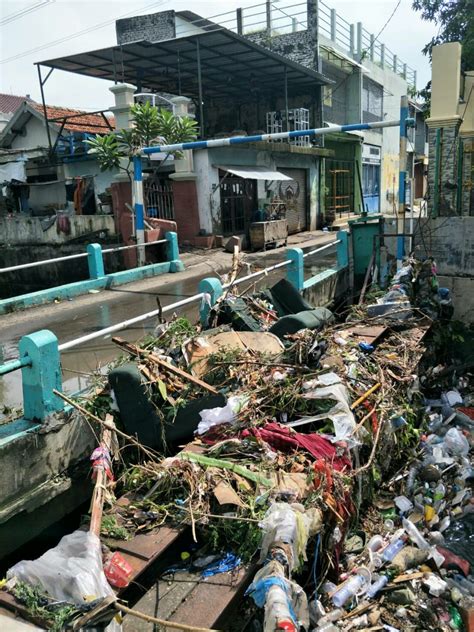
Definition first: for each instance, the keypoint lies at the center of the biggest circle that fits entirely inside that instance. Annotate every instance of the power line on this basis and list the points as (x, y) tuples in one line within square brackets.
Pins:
[(85, 31), (11, 17), (388, 21)]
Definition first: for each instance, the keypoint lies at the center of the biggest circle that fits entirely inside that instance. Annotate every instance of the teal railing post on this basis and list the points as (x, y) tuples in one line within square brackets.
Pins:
[(176, 265), (295, 270), (42, 376), (342, 249), (213, 290), (95, 261)]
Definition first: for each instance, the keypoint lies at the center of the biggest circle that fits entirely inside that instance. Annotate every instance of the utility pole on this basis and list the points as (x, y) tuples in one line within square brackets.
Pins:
[(402, 180), (137, 200)]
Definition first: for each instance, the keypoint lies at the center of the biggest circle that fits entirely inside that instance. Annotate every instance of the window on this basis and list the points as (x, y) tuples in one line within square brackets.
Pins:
[(372, 102), (327, 98)]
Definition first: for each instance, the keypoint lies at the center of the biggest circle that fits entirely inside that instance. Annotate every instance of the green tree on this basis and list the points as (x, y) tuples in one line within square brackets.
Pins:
[(455, 19), (150, 126)]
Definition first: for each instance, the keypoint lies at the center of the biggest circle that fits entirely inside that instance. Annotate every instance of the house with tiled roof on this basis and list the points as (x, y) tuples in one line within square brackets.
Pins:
[(44, 148), (9, 104)]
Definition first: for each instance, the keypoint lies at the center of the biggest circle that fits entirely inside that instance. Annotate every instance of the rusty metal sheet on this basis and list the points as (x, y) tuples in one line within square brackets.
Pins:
[(144, 549), (367, 334)]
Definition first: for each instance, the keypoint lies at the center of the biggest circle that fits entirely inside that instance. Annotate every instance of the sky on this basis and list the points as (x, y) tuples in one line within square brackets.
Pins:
[(34, 26)]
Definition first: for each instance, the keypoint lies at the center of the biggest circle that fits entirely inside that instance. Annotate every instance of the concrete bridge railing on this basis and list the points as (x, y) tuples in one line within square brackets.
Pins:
[(98, 278), (40, 352)]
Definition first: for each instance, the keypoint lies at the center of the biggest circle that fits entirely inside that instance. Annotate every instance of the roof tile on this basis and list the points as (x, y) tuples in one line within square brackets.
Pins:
[(89, 123)]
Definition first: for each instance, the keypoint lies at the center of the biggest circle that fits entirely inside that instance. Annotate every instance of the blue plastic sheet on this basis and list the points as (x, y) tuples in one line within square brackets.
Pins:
[(227, 563), (259, 590)]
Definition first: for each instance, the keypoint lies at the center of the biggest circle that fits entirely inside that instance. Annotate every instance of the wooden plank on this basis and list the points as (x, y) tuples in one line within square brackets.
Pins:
[(206, 604), (144, 549)]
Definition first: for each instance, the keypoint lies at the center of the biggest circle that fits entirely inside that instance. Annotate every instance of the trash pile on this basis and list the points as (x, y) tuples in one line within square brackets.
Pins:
[(323, 452)]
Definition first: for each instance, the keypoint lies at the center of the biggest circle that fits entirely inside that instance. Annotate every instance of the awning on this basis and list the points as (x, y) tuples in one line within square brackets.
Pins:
[(255, 173)]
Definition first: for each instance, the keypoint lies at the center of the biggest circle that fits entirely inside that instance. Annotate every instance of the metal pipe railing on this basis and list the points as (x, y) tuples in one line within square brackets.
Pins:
[(127, 323), (33, 264), (14, 365), (148, 243), (254, 275), (321, 248)]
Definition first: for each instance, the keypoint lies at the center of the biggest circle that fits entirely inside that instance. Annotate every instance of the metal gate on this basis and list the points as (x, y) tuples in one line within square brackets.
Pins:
[(294, 195), (238, 203), (158, 198)]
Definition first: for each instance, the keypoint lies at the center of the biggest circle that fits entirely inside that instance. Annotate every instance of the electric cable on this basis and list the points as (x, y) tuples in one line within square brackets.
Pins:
[(388, 21), (72, 36), (11, 17)]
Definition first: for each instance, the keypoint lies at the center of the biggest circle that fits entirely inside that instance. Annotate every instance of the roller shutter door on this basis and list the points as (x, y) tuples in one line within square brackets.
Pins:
[(294, 195)]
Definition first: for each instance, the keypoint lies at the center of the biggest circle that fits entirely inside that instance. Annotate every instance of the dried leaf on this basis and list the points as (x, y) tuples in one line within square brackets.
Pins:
[(162, 389)]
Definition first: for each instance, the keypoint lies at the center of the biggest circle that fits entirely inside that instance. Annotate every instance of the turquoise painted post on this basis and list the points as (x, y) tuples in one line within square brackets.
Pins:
[(342, 249), (295, 270), (42, 376), (176, 265), (213, 288), (95, 261)]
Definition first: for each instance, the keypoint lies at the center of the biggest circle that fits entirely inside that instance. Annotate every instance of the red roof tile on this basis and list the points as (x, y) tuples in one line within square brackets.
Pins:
[(90, 123), (11, 103)]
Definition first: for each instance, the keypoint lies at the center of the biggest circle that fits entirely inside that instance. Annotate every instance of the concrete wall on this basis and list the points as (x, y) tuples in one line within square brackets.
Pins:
[(451, 242), (35, 136), (153, 27), (37, 466), (102, 179), (47, 196), (28, 230), (206, 163)]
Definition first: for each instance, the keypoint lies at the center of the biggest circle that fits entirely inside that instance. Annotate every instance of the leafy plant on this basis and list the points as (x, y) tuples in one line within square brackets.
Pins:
[(38, 604), (150, 126), (110, 528)]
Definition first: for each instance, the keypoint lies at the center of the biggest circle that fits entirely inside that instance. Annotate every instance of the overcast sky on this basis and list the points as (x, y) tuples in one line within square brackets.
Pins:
[(46, 22)]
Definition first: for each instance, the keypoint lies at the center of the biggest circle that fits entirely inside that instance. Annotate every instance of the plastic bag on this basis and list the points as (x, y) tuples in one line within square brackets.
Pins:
[(227, 414), (72, 571), (340, 414), (456, 443), (283, 524)]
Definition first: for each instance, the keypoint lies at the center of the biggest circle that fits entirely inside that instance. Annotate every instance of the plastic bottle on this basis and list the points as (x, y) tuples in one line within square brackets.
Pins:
[(439, 492), (414, 535), (332, 616), (377, 586), (277, 611), (444, 524), (349, 589), (392, 549), (327, 627)]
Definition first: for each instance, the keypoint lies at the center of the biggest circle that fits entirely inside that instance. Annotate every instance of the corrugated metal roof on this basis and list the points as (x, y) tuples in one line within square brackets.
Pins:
[(231, 65)]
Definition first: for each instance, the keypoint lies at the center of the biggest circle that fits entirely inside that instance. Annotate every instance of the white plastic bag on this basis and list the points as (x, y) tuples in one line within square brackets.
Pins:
[(456, 443), (72, 571), (340, 414), (221, 415)]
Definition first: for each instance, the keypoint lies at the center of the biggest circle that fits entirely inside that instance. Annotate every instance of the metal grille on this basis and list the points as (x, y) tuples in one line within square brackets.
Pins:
[(298, 119), (293, 194), (158, 198)]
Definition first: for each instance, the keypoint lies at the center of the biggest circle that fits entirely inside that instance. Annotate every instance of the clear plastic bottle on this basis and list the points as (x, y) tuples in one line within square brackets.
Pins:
[(414, 535), (392, 549), (377, 586), (444, 524), (332, 616), (349, 589)]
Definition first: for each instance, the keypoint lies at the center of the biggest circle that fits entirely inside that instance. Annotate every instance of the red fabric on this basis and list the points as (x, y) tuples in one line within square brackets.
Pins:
[(286, 439)]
